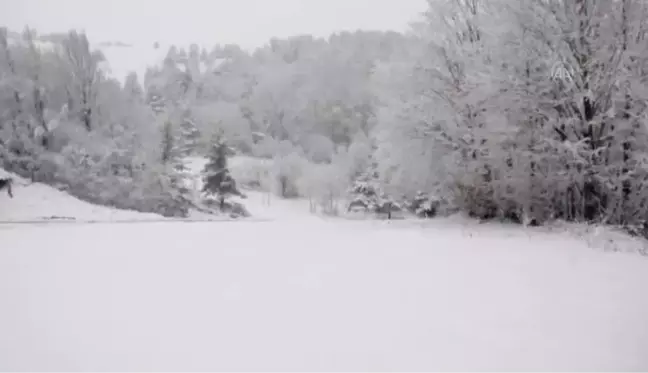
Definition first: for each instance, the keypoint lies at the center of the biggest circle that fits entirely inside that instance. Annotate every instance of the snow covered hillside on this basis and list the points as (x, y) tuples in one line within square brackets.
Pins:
[(35, 202)]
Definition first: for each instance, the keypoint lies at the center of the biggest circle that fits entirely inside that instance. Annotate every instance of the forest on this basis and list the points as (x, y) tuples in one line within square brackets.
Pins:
[(527, 111)]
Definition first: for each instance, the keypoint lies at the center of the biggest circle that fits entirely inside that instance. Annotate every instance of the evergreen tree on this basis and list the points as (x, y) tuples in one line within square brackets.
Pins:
[(176, 174), (423, 205), (156, 102), (190, 133), (218, 180), (365, 191), (367, 194)]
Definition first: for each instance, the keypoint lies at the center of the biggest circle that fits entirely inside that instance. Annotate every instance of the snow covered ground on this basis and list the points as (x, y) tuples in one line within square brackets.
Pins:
[(299, 292), (314, 295)]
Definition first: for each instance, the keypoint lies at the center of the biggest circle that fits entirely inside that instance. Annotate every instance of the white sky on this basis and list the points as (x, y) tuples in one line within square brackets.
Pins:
[(249, 23)]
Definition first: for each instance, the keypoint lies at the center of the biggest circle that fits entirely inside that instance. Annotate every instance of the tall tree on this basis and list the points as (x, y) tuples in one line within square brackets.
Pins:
[(218, 180), (83, 67)]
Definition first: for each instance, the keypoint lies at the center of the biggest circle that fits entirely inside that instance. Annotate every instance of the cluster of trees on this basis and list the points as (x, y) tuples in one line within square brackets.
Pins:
[(65, 122), (305, 104), (302, 93), (526, 110)]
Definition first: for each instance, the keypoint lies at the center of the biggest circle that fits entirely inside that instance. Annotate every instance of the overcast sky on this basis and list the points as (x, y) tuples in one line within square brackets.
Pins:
[(247, 22)]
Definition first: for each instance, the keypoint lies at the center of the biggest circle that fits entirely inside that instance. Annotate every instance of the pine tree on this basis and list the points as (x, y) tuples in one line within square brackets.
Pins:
[(133, 89), (424, 205), (179, 193), (367, 193), (156, 101), (218, 180), (176, 174), (190, 134)]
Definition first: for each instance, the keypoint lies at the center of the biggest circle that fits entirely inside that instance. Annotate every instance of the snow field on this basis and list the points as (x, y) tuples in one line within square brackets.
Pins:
[(314, 295), (292, 291)]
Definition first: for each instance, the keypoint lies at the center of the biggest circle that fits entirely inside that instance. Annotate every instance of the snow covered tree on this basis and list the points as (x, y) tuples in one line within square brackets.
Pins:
[(133, 89), (83, 66), (218, 180), (175, 174), (288, 168), (175, 187), (325, 184), (423, 205), (367, 194), (189, 134)]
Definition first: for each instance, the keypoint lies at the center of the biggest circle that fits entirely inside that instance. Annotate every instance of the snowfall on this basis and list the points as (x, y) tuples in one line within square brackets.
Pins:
[(89, 288)]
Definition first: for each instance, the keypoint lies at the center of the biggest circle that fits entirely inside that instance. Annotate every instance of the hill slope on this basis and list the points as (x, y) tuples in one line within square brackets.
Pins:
[(37, 202)]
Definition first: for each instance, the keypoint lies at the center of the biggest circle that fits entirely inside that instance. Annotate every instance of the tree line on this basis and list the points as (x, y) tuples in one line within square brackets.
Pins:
[(521, 110)]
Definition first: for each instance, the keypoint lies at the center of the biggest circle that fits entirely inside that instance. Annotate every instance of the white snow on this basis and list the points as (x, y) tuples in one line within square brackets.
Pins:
[(304, 293), (314, 295)]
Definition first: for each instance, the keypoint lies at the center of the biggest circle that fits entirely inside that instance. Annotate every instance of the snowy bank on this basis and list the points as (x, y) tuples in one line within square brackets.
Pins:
[(41, 202)]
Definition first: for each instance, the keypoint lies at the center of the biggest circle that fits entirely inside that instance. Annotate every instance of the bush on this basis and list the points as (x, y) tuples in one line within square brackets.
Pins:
[(423, 205)]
